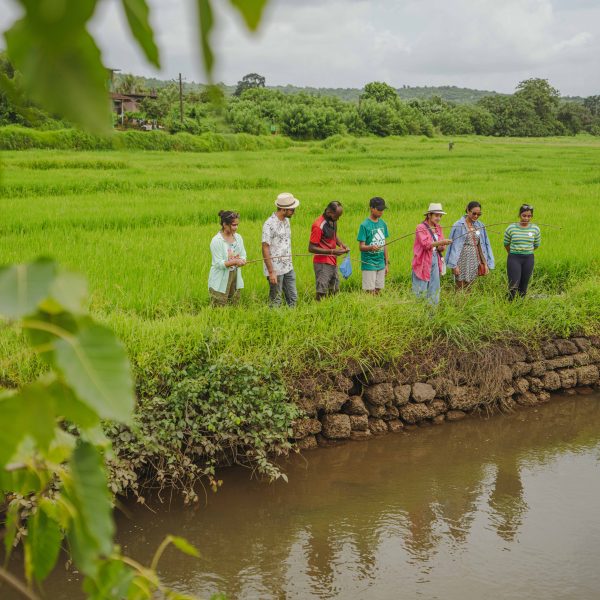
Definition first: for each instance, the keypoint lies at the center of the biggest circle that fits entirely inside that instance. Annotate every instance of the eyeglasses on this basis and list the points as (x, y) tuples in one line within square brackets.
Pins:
[(475, 214), (526, 207)]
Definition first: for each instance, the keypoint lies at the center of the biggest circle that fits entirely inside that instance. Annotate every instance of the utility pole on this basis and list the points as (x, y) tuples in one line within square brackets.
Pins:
[(180, 99)]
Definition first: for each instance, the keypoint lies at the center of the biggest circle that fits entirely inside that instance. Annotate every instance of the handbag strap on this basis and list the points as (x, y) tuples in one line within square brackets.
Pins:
[(477, 243)]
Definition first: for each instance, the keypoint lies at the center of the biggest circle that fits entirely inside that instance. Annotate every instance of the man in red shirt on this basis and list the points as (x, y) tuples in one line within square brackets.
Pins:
[(327, 246)]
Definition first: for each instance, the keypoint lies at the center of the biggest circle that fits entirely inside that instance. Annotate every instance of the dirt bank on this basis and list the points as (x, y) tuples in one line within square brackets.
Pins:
[(429, 390)]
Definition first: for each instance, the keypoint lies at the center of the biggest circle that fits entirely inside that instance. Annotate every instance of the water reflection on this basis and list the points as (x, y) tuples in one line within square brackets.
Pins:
[(438, 512)]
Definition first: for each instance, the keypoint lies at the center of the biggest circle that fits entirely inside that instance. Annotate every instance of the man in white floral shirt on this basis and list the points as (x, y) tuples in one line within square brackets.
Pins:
[(277, 250)]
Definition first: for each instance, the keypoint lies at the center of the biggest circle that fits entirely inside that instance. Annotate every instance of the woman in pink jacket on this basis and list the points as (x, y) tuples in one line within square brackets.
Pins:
[(428, 249)]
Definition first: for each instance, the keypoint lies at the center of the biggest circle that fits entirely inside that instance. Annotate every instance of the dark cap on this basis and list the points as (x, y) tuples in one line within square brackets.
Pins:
[(377, 203)]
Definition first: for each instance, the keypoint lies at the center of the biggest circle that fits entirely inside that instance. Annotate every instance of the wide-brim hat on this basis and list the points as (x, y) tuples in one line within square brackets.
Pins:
[(435, 207), (287, 201)]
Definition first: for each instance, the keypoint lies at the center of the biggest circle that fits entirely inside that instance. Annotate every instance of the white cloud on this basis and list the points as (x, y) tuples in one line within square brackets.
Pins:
[(346, 43)]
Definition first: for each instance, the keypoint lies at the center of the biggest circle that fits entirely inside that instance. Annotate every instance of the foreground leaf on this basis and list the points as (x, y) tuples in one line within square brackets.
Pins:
[(95, 364), (61, 65), (30, 411), (206, 22), (139, 23), (42, 545), (92, 529), (251, 10), (184, 546), (23, 287)]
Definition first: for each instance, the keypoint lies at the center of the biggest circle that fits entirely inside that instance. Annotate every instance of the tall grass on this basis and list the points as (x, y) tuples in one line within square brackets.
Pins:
[(138, 225)]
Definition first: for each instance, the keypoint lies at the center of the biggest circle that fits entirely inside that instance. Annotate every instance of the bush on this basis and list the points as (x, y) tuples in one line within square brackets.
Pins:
[(202, 415), (15, 137)]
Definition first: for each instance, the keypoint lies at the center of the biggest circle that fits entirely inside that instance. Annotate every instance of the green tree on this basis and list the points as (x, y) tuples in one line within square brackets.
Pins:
[(544, 99), (575, 117), (379, 91), (513, 116), (592, 103), (130, 84), (252, 80)]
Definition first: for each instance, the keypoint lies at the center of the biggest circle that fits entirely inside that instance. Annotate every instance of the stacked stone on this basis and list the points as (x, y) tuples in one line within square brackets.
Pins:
[(359, 408)]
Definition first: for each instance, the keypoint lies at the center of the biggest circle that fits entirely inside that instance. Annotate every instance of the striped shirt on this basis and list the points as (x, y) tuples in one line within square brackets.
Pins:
[(522, 240)]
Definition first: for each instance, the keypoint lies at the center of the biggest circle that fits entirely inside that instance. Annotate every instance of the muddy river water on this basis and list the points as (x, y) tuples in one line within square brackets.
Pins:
[(506, 507)]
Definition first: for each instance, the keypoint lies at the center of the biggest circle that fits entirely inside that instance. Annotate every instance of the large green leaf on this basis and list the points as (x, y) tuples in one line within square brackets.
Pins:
[(24, 286), (92, 528), (251, 10), (71, 408), (139, 23), (70, 291), (42, 545), (11, 524), (43, 329), (113, 581), (30, 412), (206, 22), (62, 68), (10, 412), (184, 546), (95, 365)]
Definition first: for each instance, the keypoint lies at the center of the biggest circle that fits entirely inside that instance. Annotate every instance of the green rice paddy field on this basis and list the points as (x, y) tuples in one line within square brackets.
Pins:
[(138, 225)]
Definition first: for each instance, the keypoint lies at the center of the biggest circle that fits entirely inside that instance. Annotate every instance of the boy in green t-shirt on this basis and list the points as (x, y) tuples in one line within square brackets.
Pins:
[(372, 234)]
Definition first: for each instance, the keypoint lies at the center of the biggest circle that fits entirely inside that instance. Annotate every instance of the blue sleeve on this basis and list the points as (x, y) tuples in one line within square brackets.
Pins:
[(362, 234), (452, 255)]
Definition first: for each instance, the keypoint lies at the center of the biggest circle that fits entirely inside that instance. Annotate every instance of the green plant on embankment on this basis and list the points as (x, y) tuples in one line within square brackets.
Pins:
[(199, 416)]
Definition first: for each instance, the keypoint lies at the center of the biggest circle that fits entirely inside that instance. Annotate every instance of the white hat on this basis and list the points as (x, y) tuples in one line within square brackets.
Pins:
[(435, 207), (287, 201)]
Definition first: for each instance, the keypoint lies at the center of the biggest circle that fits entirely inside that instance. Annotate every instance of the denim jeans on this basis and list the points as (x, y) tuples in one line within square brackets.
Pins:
[(286, 287), (428, 289)]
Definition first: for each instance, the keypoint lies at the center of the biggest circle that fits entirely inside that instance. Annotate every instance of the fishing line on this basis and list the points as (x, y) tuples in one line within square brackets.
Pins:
[(402, 237)]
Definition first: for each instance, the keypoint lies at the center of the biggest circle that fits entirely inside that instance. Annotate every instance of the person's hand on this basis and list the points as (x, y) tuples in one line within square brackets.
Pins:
[(445, 242), (240, 262), (487, 269), (456, 271), (341, 250), (272, 278), (344, 248), (387, 269)]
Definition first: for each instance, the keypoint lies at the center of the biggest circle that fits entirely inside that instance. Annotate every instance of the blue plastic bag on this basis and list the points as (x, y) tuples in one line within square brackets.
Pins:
[(346, 267)]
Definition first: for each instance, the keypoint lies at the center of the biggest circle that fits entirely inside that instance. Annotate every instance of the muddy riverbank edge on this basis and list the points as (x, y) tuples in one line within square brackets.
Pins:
[(430, 390)]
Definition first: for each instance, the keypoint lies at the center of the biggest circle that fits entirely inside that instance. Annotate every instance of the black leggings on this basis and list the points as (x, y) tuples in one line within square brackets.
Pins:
[(519, 268)]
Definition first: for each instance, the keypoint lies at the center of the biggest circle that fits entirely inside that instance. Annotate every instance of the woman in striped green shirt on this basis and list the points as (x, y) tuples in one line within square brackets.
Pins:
[(521, 240)]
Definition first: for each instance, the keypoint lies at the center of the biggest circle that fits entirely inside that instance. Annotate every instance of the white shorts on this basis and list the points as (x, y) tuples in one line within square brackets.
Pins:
[(373, 280)]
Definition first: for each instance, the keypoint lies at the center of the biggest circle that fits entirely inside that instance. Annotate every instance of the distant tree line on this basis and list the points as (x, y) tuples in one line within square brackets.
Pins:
[(534, 110)]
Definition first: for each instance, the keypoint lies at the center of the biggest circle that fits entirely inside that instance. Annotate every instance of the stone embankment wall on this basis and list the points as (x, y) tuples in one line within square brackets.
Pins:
[(354, 406)]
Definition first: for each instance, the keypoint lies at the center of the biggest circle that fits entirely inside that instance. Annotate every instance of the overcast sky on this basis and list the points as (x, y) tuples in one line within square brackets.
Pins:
[(485, 44)]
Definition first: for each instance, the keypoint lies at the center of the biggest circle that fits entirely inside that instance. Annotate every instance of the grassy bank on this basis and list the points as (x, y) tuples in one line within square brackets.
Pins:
[(138, 225)]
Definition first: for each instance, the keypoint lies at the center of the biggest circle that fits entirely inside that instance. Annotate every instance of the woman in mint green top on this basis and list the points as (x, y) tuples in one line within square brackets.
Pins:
[(521, 240), (228, 255)]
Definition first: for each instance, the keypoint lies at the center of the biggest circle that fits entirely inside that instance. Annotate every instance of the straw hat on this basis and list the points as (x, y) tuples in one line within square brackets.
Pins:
[(435, 207), (287, 201)]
